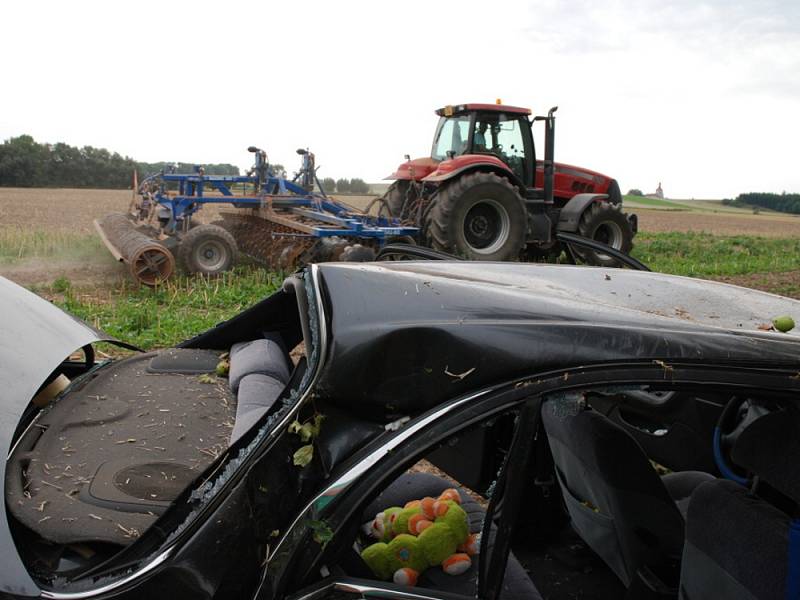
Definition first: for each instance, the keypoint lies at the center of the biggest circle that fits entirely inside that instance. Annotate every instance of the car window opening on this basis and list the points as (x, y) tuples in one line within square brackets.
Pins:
[(467, 462), (104, 449)]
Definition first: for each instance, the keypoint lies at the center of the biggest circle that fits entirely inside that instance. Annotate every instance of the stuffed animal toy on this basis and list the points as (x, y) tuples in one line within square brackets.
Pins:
[(423, 534)]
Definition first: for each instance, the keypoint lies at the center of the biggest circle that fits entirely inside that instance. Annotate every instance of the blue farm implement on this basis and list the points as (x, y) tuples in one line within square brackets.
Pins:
[(281, 222)]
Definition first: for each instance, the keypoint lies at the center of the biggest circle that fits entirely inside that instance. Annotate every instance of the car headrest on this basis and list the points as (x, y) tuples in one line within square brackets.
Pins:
[(770, 448)]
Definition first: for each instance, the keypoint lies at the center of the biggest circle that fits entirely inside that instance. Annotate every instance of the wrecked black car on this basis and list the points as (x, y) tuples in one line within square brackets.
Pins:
[(606, 434)]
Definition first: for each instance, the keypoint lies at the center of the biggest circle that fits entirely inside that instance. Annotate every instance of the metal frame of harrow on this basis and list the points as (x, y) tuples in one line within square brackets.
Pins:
[(286, 203)]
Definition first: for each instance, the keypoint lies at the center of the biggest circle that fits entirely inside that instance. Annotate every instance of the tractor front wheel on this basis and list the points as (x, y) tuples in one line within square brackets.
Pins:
[(207, 249), (606, 223), (479, 216)]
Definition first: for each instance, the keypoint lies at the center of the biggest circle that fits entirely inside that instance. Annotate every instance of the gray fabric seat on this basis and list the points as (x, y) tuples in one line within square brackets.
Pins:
[(517, 585), (738, 545), (259, 370), (259, 356), (618, 504)]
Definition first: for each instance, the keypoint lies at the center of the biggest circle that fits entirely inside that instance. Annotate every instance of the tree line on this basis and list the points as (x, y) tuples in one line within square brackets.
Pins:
[(27, 163), (345, 186), (788, 203)]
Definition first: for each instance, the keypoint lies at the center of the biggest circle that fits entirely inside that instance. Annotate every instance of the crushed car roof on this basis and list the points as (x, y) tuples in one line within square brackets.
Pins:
[(408, 335)]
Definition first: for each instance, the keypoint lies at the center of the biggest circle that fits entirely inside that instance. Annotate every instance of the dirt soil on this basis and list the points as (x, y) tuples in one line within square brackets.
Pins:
[(768, 225), (73, 210), (785, 284), (104, 271), (59, 209)]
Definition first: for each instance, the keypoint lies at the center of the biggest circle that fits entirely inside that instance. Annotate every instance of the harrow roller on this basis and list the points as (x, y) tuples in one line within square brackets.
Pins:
[(149, 262)]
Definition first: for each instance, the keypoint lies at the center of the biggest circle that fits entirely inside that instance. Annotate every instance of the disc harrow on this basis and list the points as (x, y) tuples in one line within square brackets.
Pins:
[(283, 223)]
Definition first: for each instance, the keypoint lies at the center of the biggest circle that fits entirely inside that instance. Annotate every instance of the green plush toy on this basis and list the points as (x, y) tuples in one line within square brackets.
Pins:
[(423, 534), (382, 527)]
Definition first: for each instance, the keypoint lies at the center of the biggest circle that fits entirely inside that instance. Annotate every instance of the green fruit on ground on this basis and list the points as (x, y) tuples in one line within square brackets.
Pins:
[(783, 324)]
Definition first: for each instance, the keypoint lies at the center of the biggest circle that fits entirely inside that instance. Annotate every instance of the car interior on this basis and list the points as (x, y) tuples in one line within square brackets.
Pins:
[(103, 452), (637, 491), (602, 518)]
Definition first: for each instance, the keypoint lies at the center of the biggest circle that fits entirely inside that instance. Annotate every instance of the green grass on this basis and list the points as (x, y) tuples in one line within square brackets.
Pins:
[(19, 244), (706, 255), (185, 306), (654, 203), (182, 308)]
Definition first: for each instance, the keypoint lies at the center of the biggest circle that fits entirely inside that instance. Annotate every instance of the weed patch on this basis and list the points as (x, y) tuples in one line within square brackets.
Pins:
[(171, 313), (707, 255)]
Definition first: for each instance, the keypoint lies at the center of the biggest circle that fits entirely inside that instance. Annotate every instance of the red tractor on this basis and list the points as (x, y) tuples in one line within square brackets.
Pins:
[(483, 195)]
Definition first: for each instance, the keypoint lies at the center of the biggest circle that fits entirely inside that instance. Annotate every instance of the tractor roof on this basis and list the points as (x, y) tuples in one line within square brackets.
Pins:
[(456, 109)]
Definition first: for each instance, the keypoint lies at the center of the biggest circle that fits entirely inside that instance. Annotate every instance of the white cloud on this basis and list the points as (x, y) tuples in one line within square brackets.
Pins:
[(703, 97)]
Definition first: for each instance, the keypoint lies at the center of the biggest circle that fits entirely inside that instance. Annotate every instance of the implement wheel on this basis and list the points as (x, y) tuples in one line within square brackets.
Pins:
[(207, 249), (479, 216), (152, 264), (605, 223)]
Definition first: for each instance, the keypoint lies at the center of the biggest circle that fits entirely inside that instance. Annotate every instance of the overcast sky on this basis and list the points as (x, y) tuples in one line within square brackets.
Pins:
[(702, 96)]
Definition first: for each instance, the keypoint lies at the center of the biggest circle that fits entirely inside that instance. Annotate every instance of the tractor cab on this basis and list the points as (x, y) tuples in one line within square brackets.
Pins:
[(483, 195), (503, 132)]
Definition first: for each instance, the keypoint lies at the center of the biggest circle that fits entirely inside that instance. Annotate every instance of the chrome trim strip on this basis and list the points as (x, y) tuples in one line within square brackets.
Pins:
[(30, 426), (359, 588), (384, 592), (153, 564)]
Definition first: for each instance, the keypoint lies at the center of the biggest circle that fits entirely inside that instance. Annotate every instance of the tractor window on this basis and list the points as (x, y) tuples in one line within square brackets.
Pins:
[(452, 134), (501, 135)]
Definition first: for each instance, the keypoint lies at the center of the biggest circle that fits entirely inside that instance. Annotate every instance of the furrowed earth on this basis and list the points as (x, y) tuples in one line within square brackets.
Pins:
[(47, 236)]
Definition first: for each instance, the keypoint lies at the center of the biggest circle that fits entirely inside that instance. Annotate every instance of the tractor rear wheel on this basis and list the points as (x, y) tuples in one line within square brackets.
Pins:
[(207, 249), (479, 216), (399, 198), (604, 222)]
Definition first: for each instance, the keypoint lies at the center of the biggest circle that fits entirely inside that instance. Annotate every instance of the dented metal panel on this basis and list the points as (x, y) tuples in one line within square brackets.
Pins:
[(410, 335)]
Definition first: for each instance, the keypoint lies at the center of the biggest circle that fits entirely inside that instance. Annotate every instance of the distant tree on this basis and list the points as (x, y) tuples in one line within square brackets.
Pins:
[(183, 167), (343, 186), (358, 186), (26, 163), (329, 184), (635, 192), (788, 203), (278, 170), (23, 162)]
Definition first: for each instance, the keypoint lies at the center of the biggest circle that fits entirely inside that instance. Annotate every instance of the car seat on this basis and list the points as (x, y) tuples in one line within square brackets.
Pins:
[(739, 544), (618, 504)]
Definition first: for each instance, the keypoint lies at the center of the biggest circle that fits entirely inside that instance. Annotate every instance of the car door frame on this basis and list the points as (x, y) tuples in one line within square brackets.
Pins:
[(365, 473)]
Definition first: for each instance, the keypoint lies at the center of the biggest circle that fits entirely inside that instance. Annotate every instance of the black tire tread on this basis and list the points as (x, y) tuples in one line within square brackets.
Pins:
[(438, 218), (194, 235), (602, 210)]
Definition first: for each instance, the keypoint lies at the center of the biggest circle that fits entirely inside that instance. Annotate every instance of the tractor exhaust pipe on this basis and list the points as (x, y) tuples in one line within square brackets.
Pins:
[(549, 151)]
